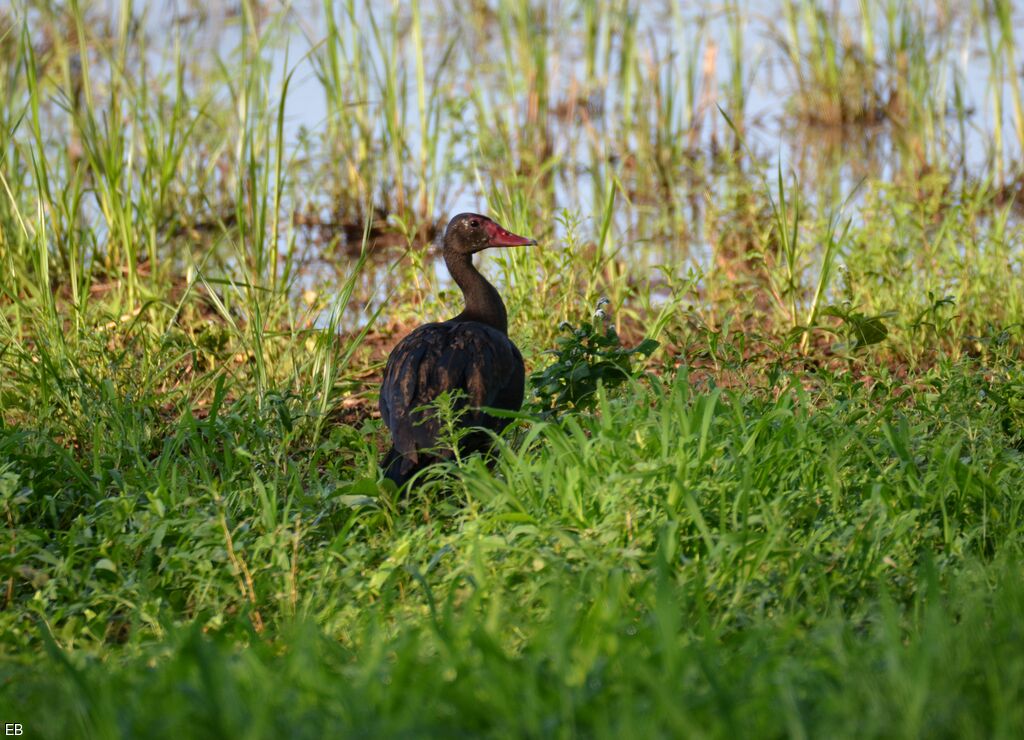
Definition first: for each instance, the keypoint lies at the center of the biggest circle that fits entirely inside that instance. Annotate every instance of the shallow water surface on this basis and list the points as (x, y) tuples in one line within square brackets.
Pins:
[(470, 106)]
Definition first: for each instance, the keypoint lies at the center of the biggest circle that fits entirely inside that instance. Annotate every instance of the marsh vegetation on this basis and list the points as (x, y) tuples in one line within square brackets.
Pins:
[(769, 478)]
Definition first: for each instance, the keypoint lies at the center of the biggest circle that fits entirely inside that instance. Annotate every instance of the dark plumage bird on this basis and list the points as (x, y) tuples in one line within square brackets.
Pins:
[(470, 353)]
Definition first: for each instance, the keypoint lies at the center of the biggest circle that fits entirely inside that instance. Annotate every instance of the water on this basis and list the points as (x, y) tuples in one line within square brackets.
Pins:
[(588, 144), (216, 31)]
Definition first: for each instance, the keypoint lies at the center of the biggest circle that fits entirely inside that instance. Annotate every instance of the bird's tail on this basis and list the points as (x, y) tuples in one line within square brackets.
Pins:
[(397, 468)]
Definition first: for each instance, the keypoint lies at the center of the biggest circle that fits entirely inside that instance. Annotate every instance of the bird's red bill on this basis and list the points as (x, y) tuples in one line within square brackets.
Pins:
[(502, 238)]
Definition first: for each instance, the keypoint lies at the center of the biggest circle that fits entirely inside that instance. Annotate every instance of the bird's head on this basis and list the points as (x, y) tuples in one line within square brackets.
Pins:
[(468, 233)]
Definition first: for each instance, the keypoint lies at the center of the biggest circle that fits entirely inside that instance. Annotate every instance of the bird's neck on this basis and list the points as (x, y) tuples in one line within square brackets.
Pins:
[(483, 303)]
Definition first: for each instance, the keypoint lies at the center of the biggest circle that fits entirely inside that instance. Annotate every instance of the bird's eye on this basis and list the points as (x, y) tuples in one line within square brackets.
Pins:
[(474, 223)]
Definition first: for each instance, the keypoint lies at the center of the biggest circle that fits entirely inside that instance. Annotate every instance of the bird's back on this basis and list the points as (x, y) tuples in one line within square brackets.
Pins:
[(467, 357)]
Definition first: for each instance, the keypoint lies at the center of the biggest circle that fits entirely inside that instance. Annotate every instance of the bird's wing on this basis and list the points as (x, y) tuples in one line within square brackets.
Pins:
[(469, 357), (493, 372), (403, 388)]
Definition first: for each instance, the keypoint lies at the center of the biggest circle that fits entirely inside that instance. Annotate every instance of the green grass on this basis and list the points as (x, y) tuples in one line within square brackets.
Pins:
[(801, 514), (677, 560)]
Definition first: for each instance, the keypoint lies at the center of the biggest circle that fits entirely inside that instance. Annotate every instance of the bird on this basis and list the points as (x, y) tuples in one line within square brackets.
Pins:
[(470, 354)]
